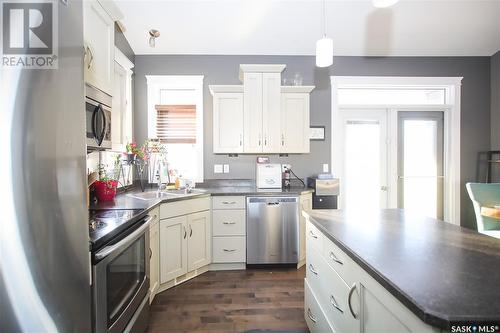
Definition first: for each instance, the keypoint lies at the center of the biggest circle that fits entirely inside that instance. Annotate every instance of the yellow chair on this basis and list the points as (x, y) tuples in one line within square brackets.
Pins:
[(485, 195)]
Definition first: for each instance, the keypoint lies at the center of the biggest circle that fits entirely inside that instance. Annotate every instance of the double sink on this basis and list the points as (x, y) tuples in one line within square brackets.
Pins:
[(166, 194)]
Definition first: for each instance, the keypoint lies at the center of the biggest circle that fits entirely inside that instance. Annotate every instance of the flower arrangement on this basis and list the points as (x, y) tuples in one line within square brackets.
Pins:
[(133, 151)]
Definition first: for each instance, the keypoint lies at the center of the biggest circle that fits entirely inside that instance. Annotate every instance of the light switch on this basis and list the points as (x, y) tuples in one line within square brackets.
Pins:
[(325, 167), (217, 168), (226, 168)]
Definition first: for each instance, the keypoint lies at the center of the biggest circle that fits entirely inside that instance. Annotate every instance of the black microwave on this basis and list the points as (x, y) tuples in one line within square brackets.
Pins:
[(98, 118)]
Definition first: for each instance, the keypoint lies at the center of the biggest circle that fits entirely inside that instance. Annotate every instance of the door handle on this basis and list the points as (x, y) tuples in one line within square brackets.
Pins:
[(104, 124), (91, 57), (228, 250), (190, 231), (334, 258), (384, 188), (150, 253), (311, 268), (228, 223), (311, 316), (351, 291), (185, 233), (334, 303), (312, 235), (241, 140), (94, 125)]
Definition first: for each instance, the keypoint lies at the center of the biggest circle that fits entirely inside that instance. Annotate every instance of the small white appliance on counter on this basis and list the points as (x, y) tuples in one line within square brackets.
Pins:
[(269, 175)]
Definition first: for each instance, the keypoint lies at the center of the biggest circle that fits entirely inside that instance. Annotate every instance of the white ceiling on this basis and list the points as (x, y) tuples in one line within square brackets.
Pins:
[(291, 27)]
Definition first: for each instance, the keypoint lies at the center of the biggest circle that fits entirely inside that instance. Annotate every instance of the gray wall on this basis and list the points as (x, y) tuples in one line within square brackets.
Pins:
[(224, 70), (122, 43), (495, 101)]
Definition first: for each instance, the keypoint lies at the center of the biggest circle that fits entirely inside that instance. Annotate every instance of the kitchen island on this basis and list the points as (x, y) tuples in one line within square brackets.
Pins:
[(400, 272)]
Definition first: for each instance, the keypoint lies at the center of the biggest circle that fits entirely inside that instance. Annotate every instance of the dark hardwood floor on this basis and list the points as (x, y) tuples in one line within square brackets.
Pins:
[(233, 301)]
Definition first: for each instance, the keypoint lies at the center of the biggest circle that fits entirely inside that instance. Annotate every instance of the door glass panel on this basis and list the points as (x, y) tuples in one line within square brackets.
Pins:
[(362, 164), (124, 277), (421, 165)]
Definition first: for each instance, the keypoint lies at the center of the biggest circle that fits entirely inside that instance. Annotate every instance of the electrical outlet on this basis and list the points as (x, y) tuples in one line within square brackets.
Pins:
[(285, 167), (226, 168), (325, 167), (218, 168)]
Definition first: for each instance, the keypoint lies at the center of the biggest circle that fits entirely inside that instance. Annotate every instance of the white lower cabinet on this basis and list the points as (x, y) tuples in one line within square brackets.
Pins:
[(173, 248), (315, 318), (229, 232), (154, 253), (229, 249), (305, 204), (199, 238), (185, 239), (347, 297)]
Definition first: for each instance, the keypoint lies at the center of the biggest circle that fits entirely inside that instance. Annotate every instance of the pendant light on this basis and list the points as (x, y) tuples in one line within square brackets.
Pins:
[(324, 46), (383, 3), (153, 34)]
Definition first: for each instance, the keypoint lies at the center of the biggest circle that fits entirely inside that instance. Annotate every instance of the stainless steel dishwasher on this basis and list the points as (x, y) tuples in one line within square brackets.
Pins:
[(272, 230)]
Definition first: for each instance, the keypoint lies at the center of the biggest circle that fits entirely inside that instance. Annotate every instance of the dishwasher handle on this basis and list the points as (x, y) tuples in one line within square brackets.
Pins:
[(272, 201)]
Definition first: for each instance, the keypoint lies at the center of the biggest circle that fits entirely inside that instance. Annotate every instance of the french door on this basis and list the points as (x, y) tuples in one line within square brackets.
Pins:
[(420, 162), (391, 158), (364, 168)]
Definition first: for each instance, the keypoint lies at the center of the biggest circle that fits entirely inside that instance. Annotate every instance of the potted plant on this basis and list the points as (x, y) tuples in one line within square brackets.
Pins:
[(105, 187)]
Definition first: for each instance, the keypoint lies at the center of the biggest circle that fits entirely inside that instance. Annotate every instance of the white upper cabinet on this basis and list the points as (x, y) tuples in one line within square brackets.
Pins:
[(271, 114), (99, 36), (295, 120), (122, 116), (252, 112), (227, 120), (261, 116)]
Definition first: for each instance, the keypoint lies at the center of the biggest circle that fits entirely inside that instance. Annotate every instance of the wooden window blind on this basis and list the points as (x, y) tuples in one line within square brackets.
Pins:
[(176, 123)]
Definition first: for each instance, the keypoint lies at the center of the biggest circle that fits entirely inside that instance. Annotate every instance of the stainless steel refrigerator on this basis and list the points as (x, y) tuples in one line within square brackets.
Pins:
[(45, 272)]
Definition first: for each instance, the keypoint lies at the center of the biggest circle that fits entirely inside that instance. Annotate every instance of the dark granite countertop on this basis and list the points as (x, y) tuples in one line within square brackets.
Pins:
[(129, 200), (443, 273)]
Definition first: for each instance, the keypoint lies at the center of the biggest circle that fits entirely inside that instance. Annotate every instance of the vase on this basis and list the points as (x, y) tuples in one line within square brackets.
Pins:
[(131, 158)]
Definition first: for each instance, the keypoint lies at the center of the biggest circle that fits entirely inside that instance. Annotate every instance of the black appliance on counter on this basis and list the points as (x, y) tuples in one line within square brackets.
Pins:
[(119, 247), (326, 191)]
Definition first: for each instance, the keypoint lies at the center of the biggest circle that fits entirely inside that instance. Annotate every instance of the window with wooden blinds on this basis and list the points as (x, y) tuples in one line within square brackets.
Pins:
[(176, 123)]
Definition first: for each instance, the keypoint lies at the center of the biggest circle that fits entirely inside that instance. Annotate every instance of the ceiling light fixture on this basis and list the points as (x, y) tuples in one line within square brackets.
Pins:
[(153, 34), (384, 3), (324, 46)]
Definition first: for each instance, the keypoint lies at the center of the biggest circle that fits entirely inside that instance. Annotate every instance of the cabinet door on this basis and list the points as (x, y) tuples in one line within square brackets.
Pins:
[(99, 35), (173, 248), (119, 108), (252, 112), (294, 123), (271, 112), (154, 259), (228, 123), (199, 236), (305, 204)]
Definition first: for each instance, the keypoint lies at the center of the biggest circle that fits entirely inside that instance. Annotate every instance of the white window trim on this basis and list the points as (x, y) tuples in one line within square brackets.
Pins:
[(156, 83), (451, 111)]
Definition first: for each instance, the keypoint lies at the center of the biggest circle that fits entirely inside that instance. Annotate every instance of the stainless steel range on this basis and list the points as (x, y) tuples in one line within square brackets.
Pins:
[(120, 262)]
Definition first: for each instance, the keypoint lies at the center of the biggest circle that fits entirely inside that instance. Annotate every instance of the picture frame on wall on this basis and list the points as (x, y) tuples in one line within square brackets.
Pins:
[(317, 133)]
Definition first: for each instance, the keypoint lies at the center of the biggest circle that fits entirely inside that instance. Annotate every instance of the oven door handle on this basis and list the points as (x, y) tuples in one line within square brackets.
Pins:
[(124, 242)]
